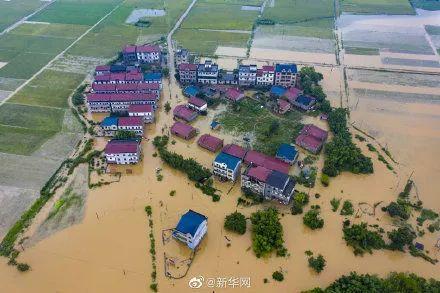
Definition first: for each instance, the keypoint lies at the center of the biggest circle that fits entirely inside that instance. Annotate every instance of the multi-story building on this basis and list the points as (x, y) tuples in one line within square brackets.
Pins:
[(226, 166), (148, 53), (191, 229), (228, 77), (126, 88), (123, 152), (110, 125), (117, 102), (187, 73), (197, 104), (268, 183), (207, 73), (266, 76), (285, 74), (247, 75), (181, 56), (129, 54), (144, 111)]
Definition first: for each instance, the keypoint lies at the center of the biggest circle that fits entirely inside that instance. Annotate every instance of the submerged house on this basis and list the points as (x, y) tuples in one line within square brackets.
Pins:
[(209, 142), (304, 102), (184, 113), (226, 166), (191, 229), (183, 130), (122, 152), (197, 104), (268, 184), (312, 138), (287, 153)]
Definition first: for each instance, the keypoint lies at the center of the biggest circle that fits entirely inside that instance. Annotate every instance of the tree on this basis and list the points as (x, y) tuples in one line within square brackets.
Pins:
[(361, 239), (125, 134), (267, 232), (312, 220), (317, 263), (236, 222), (325, 180), (278, 276), (300, 199), (401, 237), (318, 93), (77, 99), (308, 72), (347, 208), (167, 107), (395, 209), (165, 72)]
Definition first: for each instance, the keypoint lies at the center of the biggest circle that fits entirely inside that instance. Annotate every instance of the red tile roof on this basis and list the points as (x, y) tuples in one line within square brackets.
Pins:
[(102, 77), (210, 142), (260, 173), (148, 49), (182, 130), (103, 87), (197, 102), (187, 67), (130, 121), (121, 147), (234, 94), (121, 97), (234, 150), (315, 131), (117, 76), (183, 112), (102, 68), (140, 109), (134, 75), (259, 72), (292, 93), (129, 49), (269, 68), (283, 104), (260, 159)]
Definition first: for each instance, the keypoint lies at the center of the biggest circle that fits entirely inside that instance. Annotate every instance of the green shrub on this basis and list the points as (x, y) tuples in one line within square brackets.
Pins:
[(312, 220), (347, 208), (235, 222), (267, 232), (149, 210), (335, 202), (172, 193), (325, 180), (361, 239), (23, 267), (317, 263), (278, 276), (300, 199)]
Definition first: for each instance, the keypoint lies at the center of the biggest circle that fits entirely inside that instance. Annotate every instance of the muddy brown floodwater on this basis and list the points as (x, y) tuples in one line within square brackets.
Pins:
[(109, 250)]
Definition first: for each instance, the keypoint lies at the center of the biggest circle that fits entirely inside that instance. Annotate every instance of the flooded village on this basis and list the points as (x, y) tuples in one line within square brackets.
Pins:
[(281, 166)]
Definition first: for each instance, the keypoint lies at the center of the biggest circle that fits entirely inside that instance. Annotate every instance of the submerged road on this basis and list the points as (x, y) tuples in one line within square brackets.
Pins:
[(171, 65)]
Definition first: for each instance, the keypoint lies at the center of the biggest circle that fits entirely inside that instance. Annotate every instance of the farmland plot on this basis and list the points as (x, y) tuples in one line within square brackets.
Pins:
[(288, 11), (13, 11), (396, 78), (377, 6)]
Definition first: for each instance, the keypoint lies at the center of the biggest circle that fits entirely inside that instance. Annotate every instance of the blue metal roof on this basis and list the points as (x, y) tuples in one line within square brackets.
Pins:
[(153, 76), (286, 67), (230, 161), (277, 90), (305, 100), (110, 121), (191, 90), (214, 124), (287, 151), (190, 222)]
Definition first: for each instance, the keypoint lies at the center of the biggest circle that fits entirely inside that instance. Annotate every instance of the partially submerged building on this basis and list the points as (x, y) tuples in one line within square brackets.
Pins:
[(207, 73), (247, 75), (146, 112), (187, 73), (285, 74), (191, 229), (183, 130), (123, 152), (304, 102), (197, 104), (110, 125), (234, 94), (268, 184), (210, 142), (118, 102), (226, 166), (312, 138), (287, 153), (184, 113), (265, 76)]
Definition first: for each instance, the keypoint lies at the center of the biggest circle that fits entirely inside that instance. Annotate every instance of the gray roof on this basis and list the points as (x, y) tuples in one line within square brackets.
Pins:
[(206, 68), (277, 179), (247, 68)]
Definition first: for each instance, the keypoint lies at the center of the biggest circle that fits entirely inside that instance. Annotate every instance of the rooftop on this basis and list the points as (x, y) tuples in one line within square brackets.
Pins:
[(140, 109), (287, 152), (277, 179), (148, 49), (210, 142), (258, 172), (234, 150), (190, 222), (277, 90), (292, 93), (234, 94), (109, 121), (152, 76), (191, 90), (121, 147), (315, 131), (130, 121), (230, 161), (305, 100), (286, 68), (185, 113), (121, 97), (197, 102), (283, 104), (188, 66), (182, 128), (260, 159)]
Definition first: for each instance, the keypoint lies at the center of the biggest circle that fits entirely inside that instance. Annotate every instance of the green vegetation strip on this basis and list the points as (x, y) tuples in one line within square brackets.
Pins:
[(153, 285)]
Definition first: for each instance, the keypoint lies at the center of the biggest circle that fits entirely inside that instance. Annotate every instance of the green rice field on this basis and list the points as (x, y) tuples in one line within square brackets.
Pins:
[(22, 141), (377, 6), (50, 88), (288, 11), (206, 42), (13, 11), (322, 28), (219, 16)]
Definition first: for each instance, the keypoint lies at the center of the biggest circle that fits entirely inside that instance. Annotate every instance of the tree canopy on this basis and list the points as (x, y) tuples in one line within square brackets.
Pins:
[(267, 232), (236, 222)]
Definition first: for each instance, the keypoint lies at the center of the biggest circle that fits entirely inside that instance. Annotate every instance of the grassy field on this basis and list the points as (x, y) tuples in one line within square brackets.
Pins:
[(433, 30), (377, 6), (426, 4), (206, 42), (49, 88), (235, 2), (12, 11), (252, 116), (219, 16), (293, 11), (75, 12), (361, 51), (22, 141), (321, 28), (31, 46)]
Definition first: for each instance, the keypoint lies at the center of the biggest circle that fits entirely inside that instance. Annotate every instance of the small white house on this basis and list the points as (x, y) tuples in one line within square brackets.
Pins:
[(191, 228), (197, 104)]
